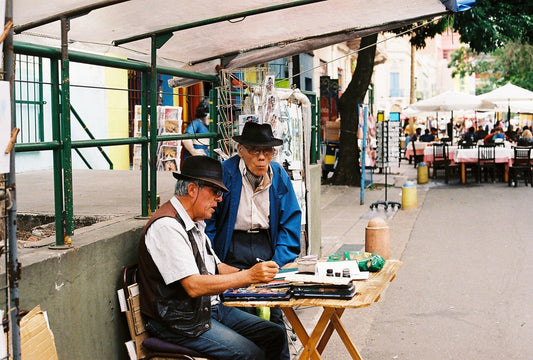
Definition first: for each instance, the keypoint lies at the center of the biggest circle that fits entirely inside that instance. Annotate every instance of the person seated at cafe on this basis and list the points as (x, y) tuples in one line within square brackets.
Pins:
[(511, 134), (427, 137), (480, 133), (470, 135), (417, 134), (526, 139), (496, 136)]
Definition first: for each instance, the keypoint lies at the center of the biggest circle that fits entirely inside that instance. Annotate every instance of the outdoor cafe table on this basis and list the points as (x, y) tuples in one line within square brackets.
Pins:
[(503, 155), (367, 292)]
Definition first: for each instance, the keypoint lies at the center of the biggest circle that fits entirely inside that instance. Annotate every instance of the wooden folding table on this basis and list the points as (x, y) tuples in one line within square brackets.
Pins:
[(368, 292)]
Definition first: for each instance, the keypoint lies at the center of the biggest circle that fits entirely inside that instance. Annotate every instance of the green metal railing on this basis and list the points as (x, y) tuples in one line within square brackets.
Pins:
[(62, 145)]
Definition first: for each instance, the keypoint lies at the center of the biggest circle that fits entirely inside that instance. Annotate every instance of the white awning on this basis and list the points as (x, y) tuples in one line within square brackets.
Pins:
[(236, 43)]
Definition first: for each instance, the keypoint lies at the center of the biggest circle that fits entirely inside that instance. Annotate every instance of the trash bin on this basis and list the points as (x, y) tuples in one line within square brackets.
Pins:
[(409, 196), (377, 237), (422, 172)]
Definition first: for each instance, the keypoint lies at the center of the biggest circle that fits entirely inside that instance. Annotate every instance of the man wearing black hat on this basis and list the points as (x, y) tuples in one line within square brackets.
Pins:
[(259, 218), (180, 275)]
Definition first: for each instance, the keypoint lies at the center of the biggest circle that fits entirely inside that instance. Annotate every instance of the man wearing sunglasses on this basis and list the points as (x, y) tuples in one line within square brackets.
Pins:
[(259, 218), (180, 275)]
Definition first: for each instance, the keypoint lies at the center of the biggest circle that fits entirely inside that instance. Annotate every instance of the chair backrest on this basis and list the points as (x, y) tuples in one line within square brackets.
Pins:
[(522, 156), (440, 152), (147, 347), (486, 153)]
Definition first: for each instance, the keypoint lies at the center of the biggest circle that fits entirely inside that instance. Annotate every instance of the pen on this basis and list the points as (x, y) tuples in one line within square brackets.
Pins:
[(259, 260)]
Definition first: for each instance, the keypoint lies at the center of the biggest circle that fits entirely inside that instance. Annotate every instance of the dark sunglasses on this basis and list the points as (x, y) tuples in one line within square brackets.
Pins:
[(215, 190)]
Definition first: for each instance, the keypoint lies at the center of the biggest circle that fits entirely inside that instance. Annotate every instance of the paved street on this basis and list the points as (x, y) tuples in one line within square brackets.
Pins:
[(464, 290)]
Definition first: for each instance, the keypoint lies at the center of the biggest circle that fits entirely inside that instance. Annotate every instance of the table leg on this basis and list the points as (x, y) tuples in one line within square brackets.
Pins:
[(300, 331), (328, 332), (463, 173), (341, 330), (506, 173), (314, 345)]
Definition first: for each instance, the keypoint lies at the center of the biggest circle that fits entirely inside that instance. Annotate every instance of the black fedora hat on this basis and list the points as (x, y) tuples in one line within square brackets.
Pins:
[(202, 168), (255, 134)]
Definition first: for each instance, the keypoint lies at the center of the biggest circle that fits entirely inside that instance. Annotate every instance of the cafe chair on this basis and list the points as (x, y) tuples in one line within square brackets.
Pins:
[(521, 166), (486, 161), (441, 160), (148, 347), (416, 158)]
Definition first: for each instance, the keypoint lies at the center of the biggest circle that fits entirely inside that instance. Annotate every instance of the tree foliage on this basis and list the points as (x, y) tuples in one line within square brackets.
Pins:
[(511, 63), (490, 24)]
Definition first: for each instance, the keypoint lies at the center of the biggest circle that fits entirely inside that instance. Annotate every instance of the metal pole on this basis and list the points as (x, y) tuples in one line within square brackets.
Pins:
[(57, 154), (144, 146), (153, 126), (213, 119), (13, 264), (363, 155), (66, 137)]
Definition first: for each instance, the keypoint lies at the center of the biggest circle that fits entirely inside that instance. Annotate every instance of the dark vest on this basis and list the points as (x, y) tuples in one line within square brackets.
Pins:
[(170, 304)]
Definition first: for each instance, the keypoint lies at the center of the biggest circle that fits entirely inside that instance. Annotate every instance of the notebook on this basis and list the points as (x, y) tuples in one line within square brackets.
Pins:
[(257, 293), (343, 292)]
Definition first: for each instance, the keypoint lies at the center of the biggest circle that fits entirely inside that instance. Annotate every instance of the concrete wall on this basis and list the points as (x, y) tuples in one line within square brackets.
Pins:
[(78, 288)]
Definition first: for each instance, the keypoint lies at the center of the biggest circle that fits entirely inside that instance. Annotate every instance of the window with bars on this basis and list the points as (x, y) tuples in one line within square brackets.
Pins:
[(29, 101)]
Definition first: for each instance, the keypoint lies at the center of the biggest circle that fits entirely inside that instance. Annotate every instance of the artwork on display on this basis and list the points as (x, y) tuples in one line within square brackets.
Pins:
[(170, 165), (169, 152), (170, 122), (248, 117)]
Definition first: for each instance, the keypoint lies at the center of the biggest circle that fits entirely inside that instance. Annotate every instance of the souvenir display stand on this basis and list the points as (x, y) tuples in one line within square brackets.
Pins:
[(386, 154)]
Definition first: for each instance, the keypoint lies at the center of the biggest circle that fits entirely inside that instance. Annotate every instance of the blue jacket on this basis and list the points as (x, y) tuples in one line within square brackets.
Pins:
[(285, 213)]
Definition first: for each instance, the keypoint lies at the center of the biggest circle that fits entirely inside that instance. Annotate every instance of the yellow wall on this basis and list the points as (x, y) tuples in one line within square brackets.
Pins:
[(117, 116)]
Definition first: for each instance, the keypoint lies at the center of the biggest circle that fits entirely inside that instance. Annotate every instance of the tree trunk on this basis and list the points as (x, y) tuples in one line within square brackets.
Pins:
[(412, 85), (348, 171)]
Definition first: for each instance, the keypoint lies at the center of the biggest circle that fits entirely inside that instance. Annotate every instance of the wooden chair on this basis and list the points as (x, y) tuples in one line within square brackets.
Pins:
[(486, 160), (441, 160), (521, 165), (148, 347), (416, 158)]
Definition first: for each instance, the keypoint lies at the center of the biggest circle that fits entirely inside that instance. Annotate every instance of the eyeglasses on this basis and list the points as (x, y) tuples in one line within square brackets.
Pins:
[(255, 151), (214, 190)]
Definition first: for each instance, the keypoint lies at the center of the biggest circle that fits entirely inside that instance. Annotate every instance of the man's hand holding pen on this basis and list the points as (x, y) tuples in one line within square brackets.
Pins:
[(263, 271)]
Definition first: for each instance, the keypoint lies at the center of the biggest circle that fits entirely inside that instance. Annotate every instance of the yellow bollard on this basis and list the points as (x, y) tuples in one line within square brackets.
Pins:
[(409, 196), (422, 172), (377, 237)]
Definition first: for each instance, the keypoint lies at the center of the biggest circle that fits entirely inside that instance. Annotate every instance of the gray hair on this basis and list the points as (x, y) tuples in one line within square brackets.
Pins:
[(182, 185)]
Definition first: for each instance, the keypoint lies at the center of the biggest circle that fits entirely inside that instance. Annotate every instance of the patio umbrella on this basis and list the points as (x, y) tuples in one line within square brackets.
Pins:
[(511, 96), (452, 101)]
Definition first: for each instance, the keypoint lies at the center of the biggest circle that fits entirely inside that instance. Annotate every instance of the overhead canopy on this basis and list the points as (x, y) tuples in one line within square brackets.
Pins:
[(451, 101), (207, 33)]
